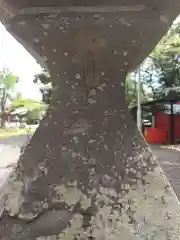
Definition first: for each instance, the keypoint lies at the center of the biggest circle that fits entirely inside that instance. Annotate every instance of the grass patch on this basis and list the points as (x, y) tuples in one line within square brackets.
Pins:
[(6, 133)]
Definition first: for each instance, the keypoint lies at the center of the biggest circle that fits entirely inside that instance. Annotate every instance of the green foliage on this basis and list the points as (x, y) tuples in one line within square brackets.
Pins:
[(29, 104), (35, 110), (164, 66), (167, 63), (34, 116)]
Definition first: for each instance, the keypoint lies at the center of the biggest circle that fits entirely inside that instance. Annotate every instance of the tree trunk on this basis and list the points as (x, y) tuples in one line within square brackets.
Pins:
[(87, 172), (3, 110)]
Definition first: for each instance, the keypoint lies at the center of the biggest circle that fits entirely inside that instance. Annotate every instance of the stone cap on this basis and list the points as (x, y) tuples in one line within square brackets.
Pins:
[(10, 8)]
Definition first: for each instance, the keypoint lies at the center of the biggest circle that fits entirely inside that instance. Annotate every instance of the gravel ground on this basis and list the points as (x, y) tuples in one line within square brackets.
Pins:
[(169, 160)]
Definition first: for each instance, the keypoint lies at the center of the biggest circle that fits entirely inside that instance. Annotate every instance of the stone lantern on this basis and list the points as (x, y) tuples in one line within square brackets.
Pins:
[(87, 172)]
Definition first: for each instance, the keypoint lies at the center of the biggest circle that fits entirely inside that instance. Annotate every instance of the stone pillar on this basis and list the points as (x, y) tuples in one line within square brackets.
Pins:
[(87, 172)]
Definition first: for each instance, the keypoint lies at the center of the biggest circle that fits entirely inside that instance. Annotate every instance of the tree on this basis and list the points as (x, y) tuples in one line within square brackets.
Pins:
[(44, 81), (18, 96), (161, 70), (167, 64), (131, 90), (8, 82)]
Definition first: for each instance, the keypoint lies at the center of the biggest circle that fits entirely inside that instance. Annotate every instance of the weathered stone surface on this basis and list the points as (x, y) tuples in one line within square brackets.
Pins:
[(87, 173)]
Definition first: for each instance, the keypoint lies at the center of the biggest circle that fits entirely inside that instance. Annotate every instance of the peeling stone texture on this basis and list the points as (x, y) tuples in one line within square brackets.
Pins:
[(87, 172)]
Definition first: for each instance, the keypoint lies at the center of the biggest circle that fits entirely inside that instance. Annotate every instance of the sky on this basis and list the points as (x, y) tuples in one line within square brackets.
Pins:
[(14, 57)]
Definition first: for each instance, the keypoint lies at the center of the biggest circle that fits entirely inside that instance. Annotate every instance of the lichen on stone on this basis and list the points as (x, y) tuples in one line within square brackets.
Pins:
[(71, 195)]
